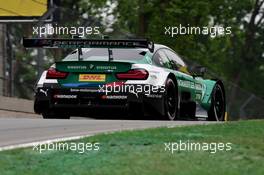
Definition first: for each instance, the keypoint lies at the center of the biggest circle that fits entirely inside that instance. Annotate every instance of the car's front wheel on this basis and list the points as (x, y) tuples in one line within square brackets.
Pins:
[(55, 115), (218, 108), (170, 100)]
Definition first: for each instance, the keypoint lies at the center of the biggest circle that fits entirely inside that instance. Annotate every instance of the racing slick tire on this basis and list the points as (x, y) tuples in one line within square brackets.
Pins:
[(218, 106), (170, 100)]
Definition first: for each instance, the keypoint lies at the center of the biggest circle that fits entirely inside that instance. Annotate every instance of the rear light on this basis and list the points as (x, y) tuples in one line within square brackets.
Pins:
[(52, 73), (133, 74)]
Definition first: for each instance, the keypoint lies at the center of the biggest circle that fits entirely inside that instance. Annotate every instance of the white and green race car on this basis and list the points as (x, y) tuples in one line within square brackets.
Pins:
[(137, 75)]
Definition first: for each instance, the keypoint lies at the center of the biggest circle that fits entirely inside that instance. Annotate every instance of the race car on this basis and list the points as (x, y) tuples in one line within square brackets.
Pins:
[(132, 74)]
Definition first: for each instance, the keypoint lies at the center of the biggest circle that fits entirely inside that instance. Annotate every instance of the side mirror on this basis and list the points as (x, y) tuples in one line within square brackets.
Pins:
[(198, 71)]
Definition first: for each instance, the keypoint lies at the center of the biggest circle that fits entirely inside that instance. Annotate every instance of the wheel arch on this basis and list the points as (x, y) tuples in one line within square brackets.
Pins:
[(173, 77), (210, 84), (212, 115), (220, 82)]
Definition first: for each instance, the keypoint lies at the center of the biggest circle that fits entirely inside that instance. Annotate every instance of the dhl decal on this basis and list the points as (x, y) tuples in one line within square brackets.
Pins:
[(92, 77)]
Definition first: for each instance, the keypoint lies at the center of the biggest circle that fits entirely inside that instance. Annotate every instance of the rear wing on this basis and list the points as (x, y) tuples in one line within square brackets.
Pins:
[(87, 43)]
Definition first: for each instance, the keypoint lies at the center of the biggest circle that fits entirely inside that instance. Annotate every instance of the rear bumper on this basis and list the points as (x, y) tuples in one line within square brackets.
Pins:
[(75, 101)]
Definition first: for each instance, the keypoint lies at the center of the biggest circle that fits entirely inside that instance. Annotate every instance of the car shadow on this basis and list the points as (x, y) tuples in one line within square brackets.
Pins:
[(107, 114)]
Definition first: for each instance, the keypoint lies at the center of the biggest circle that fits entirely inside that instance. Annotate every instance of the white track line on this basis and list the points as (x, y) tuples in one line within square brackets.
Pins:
[(25, 145)]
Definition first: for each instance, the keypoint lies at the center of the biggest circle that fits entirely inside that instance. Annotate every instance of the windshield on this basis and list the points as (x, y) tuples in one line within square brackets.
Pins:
[(101, 54)]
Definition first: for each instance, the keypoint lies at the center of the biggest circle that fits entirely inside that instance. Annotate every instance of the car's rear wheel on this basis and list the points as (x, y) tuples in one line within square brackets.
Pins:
[(217, 109), (55, 115), (170, 100)]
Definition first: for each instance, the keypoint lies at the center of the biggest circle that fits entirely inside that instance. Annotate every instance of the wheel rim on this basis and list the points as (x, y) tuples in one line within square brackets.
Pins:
[(171, 101), (219, 104)]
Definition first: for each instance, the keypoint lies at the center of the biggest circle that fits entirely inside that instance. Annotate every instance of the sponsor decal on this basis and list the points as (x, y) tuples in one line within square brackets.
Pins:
[(44, 92), (154, 96), (189, 84), (77, 67), (93, 43), (92, 77), (113, 97), (198, 86), (91, 66), (83, 90), (198, 96), (62, 96), (106, 67)]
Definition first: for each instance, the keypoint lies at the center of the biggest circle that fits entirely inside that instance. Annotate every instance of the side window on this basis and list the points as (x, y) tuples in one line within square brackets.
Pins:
[(161, 59), (175, 58)]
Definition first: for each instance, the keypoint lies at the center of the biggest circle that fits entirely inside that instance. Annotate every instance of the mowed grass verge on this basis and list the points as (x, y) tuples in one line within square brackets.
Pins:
[(143, 152)]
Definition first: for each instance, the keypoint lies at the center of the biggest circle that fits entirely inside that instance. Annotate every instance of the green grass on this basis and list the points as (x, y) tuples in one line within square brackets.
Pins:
[(143, 152)]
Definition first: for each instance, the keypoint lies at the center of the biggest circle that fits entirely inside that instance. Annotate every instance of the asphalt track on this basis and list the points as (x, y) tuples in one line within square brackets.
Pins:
[(26, 129)]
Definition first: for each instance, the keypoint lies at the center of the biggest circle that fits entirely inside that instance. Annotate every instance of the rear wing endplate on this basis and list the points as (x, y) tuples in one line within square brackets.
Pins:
[(87, 43)]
